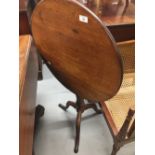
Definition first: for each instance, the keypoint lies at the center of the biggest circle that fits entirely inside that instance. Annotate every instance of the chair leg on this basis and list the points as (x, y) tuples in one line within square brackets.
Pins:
[(116, 148), (78, 123)]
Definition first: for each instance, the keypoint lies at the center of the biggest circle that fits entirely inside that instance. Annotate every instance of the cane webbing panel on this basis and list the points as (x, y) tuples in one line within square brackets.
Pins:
[(120, 104), (128, 80), (127, 51)]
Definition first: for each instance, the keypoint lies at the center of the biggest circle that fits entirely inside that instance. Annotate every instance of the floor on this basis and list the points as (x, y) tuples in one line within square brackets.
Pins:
[(56, 131)]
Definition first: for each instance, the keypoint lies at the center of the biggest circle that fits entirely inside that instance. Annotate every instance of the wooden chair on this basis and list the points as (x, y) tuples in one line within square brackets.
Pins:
[(80, 51), (119, 110)]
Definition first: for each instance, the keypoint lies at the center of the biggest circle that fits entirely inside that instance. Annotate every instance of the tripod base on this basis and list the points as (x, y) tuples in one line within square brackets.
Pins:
[(80, 106)]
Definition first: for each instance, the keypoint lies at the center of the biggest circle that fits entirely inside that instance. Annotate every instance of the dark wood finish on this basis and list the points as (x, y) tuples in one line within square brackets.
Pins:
[(25, 11), (121, 139), (118, 16), (73, 44), (110, 122), (80, 106), (131, 130), (23, 23), (122, 136), (122, 32), (124, 129), (28, 73), (83, 55)]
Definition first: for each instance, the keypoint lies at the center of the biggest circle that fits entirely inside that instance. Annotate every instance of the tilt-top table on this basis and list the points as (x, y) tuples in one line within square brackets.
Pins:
[(80, 51)]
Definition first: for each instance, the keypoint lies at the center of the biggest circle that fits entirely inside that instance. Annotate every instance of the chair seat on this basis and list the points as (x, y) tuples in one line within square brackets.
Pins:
[(117, 108)]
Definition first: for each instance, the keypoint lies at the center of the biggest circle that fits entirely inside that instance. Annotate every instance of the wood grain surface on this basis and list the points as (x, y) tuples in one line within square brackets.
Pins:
[(80, 49), (24, 48), (28, 85)]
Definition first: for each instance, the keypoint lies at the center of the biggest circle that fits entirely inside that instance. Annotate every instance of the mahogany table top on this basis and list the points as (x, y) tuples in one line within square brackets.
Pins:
[(79, 47)]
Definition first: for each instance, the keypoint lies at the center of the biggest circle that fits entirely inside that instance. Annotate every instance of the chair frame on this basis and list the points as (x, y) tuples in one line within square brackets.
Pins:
[(123, 136)]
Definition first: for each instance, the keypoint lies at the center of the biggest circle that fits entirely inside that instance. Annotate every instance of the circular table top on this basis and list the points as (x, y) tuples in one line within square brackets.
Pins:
[(81, 50)]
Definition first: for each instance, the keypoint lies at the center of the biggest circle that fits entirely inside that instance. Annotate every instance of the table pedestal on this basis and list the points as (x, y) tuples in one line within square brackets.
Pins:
[(80, 106)]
